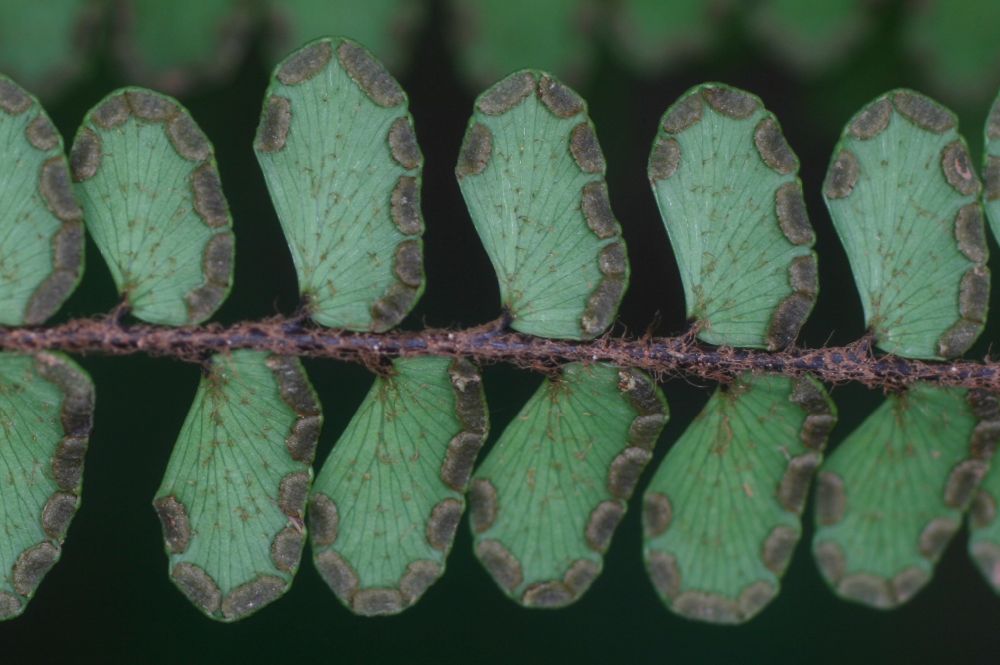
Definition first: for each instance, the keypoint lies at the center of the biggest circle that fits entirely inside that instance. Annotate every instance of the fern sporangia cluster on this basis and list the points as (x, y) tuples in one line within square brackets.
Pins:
[(336, 144)]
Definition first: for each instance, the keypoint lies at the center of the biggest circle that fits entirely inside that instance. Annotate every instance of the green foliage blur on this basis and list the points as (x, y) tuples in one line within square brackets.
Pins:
[(814, 64)]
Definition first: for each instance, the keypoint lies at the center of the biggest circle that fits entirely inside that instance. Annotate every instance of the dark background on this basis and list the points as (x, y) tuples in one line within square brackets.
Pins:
[(109, 598)]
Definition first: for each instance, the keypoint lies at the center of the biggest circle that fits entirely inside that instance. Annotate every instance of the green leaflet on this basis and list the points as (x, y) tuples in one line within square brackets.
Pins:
[(955, 43), (984, 537), (153, 203), (903, 196), (532, 175), (385, 27), (46, 411), (891, 496), (810, 35), (232, 501), (991, 168), (172, 45), (721, 515), (495, 37), (341, 160), (41, 225), (386, 504), (726, 183), (547, 499), (40, 42), (650, 33)]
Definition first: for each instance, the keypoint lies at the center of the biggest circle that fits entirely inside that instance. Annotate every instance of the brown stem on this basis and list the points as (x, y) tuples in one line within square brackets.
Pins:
[(663, 356)]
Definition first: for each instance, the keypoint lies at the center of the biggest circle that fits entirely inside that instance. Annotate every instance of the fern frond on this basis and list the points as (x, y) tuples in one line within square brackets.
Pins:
[(339, 153)]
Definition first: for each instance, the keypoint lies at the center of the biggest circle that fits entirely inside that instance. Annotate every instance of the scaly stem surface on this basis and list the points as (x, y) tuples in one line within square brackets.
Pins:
[(664, 356)]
